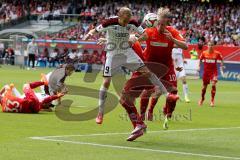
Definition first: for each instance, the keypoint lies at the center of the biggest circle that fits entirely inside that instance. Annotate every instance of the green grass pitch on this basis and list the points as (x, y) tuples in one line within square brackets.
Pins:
[(195, 133)]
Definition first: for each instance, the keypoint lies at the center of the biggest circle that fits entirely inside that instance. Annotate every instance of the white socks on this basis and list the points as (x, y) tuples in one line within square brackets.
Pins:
[(102, 99), (16, 92), (185, 90)]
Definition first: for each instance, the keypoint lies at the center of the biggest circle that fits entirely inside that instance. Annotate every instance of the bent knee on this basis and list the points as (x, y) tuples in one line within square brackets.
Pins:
[(107, 82), (146, 74)]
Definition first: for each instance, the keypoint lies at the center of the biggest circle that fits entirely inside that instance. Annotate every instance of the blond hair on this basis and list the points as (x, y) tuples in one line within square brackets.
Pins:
[(162, 12), (124, 10)]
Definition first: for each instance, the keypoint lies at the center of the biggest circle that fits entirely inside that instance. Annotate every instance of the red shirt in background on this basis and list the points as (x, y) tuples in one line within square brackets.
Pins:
[(210, 60)]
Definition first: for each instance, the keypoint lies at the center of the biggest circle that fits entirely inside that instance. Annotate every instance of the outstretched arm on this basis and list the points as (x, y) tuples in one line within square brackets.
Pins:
[(49, 99), (141, 38), (180, 44), (101, 28), (199, 65), (221, 63), (90, 34)]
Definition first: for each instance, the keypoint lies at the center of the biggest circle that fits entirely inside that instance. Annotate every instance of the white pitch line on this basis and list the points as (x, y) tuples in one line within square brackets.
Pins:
[(123, 133), (139, 149)]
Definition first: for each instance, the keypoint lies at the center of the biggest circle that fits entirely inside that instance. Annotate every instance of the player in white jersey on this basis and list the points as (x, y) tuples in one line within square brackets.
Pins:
[(177, 55), (45, 89), (120, 53)]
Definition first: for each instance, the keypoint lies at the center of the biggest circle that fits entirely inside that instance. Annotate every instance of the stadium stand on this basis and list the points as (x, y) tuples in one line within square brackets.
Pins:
[(11, 10), (203, 21), (222, 23)]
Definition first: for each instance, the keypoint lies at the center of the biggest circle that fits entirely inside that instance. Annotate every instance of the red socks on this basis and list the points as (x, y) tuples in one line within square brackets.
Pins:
[(169, 108), (143, 105), (203, 92), (213, 92), (132, 113), (34, 85), (153, 104)]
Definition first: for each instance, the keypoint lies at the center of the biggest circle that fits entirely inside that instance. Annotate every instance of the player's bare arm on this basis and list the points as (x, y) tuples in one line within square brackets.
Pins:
[(90, 34), (101, 41), (222, 67), (143, 37), (222, 64), (133, 39), (199, 65)]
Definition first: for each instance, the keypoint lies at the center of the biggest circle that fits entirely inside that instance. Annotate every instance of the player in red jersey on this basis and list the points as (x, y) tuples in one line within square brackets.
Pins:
[(120, 54), (210, 72), (160, 41), (131, 91), (12, 101)]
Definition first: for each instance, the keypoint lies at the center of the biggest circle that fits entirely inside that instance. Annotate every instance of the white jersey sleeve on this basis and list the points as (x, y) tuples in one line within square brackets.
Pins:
[(136, 27), (177, 53)]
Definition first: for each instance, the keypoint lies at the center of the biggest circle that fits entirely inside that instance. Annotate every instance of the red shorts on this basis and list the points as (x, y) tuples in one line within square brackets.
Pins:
[(137, 83), (170, 79), (210, 76), (32, 104)]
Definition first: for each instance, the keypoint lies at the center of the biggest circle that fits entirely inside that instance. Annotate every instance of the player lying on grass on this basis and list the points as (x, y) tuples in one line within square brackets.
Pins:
[(56, 80), (210, 71), (30, 102), (178, 59), (120, 53)]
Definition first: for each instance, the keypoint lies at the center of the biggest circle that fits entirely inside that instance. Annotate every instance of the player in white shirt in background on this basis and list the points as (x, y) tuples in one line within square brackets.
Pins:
[(177, 54)]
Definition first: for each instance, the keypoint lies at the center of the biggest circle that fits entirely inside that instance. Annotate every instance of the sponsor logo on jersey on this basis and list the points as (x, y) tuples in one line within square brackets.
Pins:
[(158, 44), (122, 34), (210, 60)]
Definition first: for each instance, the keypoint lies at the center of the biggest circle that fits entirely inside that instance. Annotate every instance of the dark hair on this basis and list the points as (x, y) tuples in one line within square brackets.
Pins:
[(70, 67)]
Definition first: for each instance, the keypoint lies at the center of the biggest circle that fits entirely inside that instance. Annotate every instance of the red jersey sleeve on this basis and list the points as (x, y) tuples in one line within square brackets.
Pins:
[(219, 56), (138, 49), (106, 23), (175, 33), (148, 31)]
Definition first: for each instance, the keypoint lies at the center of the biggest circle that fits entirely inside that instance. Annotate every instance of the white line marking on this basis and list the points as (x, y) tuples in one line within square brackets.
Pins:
[(81, 107), (123, 133), (139, 149)]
